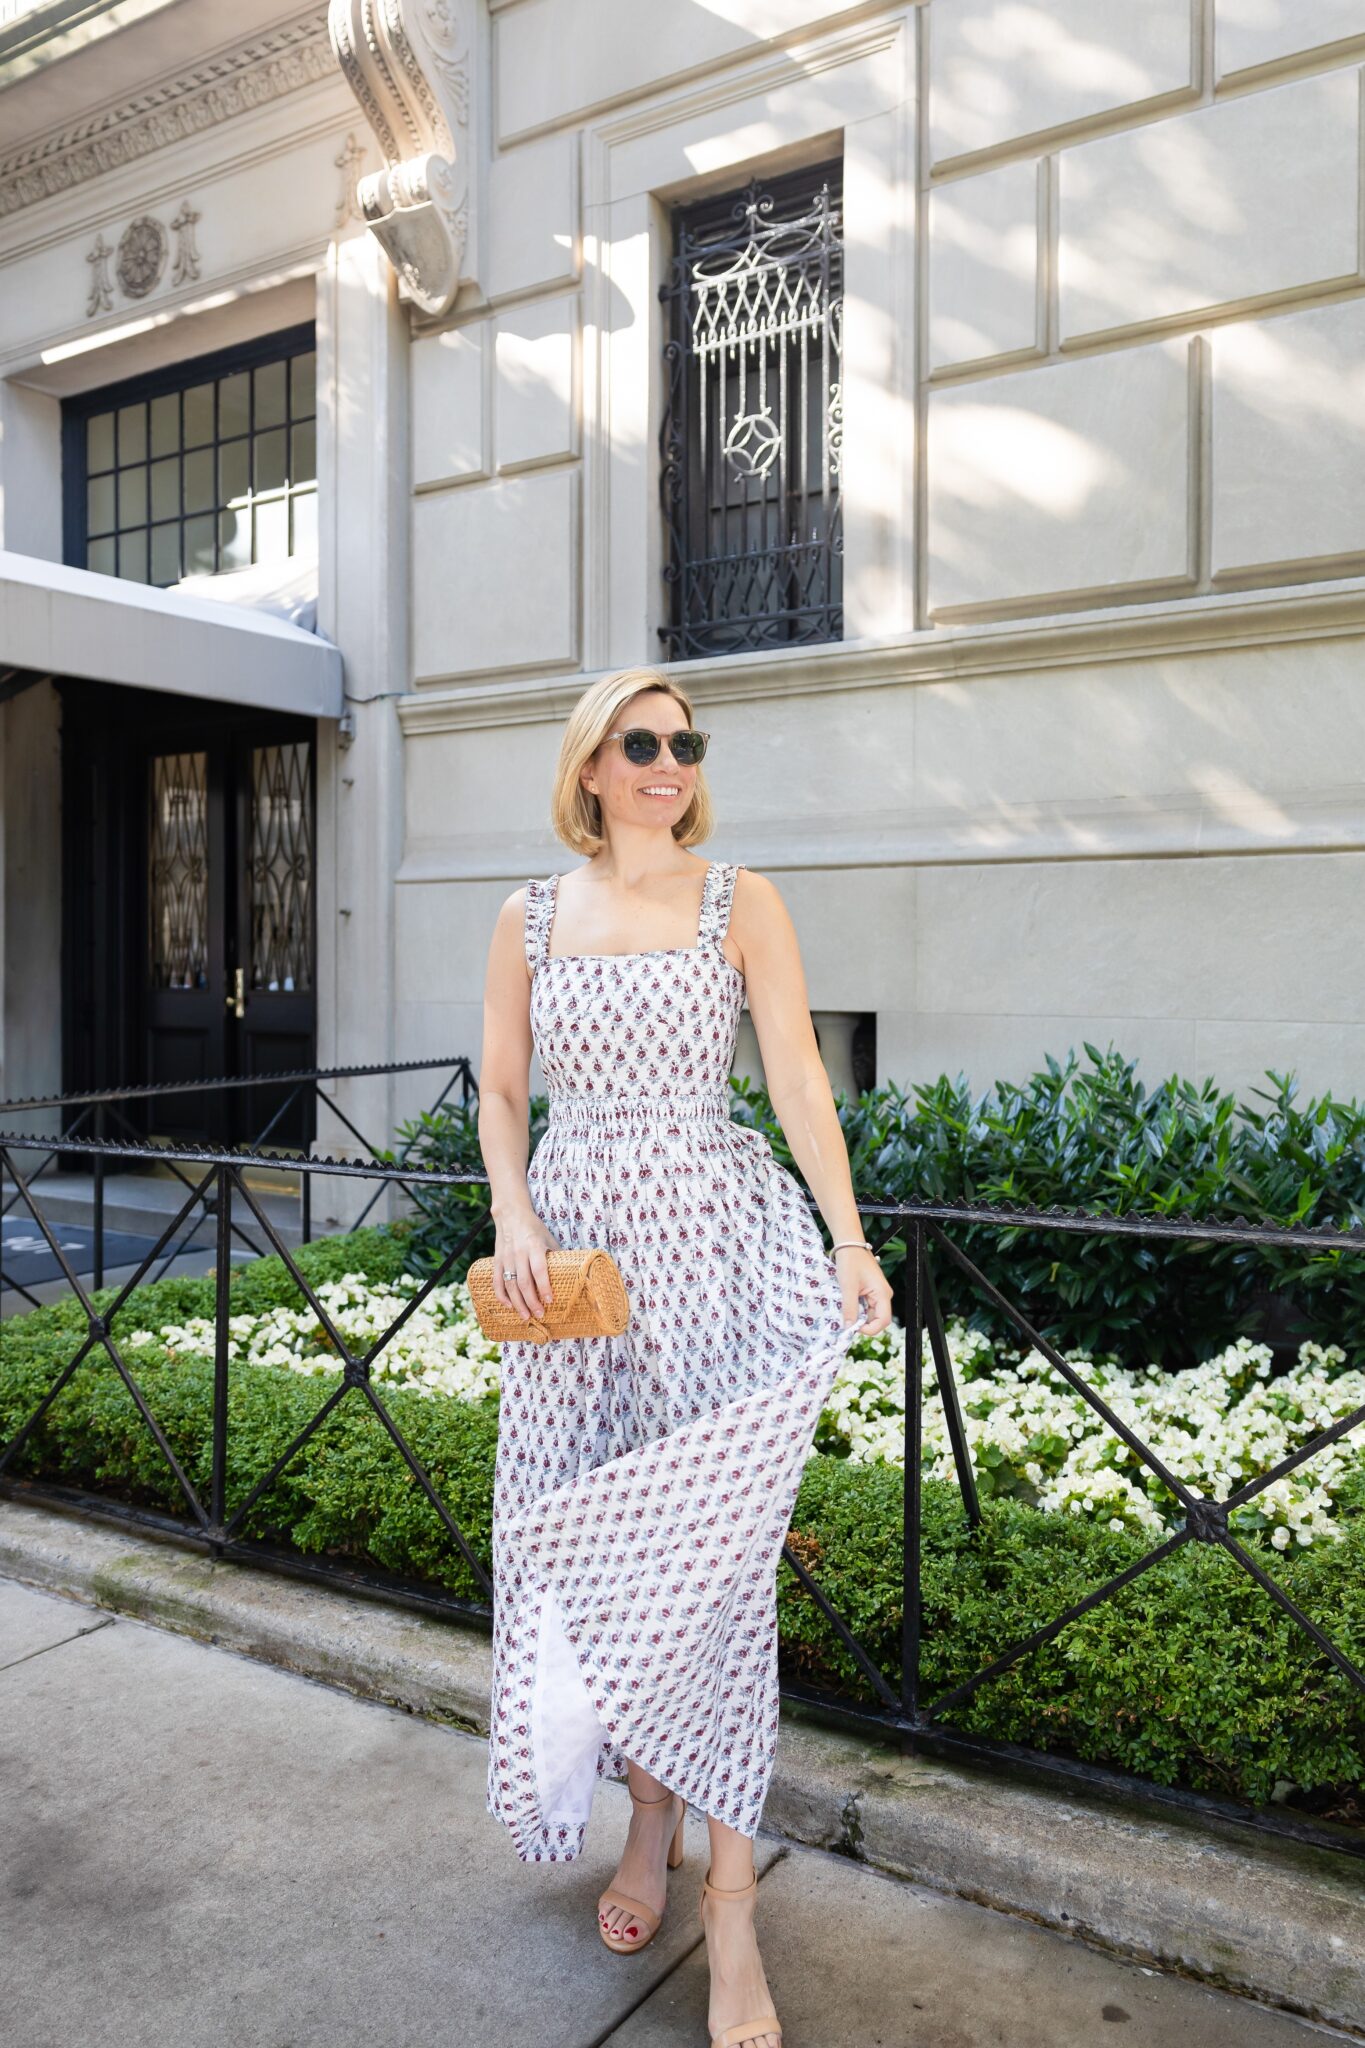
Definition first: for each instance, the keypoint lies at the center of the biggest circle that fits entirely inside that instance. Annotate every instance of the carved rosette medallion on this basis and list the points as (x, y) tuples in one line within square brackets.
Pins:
[(141, 257)]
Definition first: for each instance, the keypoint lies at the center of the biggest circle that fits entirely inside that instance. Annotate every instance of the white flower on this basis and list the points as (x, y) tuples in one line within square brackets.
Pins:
[(1215, 1425)]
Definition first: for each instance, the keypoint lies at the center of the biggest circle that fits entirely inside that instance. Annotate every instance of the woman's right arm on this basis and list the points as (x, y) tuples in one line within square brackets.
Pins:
[(504, 1112)]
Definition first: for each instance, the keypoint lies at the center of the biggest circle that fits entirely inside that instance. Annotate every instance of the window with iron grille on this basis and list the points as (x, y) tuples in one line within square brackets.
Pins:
[(202, 467), (752, 433)]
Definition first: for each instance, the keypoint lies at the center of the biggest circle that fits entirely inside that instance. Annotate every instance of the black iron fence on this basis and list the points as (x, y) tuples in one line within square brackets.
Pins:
[(901, 1712), (99, 1115)]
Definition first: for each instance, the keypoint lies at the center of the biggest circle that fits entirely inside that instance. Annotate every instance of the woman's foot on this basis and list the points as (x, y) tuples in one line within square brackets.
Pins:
[(642, 1872), (739, 1988)]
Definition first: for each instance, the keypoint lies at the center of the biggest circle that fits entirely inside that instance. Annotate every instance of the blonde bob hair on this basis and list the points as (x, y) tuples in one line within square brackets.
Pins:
[(575, 812)]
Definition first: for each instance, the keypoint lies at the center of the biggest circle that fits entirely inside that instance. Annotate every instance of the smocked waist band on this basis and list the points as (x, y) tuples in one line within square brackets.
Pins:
[(656, 1106)]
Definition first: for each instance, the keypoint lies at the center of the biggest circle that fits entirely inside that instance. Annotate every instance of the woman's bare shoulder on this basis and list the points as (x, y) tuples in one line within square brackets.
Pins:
[(754, 892), (513, 908)]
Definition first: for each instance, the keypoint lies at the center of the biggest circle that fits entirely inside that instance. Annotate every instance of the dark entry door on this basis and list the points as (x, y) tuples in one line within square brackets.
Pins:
[(190, 913), (230, 927)]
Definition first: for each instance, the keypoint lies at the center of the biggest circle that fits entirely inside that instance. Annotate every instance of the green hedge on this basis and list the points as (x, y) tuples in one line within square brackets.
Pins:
[(1096, 1140), (347, 1493), (1190, 1676)]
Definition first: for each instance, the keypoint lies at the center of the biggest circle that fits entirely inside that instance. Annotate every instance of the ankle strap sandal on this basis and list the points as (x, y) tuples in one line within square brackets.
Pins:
[(642, 1915), (731, 2037)]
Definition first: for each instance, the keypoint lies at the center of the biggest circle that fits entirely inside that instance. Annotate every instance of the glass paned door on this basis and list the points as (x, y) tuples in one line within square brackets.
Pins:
[(186, 869), (281, 869), (274, 945), (178, 879), (230, 938)]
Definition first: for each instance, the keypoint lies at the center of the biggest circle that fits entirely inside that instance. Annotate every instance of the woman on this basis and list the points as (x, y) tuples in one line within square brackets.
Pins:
[(645, 1482)]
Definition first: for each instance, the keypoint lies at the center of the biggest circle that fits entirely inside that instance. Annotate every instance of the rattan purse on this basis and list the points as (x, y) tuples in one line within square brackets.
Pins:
[(588, 1299)]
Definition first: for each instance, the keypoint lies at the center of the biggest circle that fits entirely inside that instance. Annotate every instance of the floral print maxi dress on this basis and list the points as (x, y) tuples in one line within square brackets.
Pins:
[(644, 1483)]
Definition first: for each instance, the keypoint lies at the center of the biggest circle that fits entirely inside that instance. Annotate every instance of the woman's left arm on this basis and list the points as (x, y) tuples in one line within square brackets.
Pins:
[(798, 1086)]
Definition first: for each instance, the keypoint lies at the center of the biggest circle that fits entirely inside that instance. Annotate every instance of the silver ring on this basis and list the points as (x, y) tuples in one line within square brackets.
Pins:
[(509, 1272)]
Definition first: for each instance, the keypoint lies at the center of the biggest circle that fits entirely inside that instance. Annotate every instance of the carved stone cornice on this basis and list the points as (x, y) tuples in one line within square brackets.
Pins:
[(408, 64), (255, 71)]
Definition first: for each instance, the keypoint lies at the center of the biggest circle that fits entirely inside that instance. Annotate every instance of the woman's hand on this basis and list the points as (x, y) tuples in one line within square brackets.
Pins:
[(861, 1277), (522, 1242)]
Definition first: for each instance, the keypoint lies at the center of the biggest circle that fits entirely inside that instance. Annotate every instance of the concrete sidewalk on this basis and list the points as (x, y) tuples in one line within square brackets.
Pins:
[(205, 1849)]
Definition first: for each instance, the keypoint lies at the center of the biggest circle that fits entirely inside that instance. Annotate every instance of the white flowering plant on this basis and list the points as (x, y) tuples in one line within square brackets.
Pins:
[(1032, 1436), (440, 1350)]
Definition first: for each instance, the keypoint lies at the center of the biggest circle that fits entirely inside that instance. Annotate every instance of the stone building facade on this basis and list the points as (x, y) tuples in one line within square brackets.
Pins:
[(342, 357)]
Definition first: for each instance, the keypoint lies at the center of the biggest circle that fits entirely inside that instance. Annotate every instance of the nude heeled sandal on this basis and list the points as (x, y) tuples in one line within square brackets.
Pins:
[(652, 1921), (731, 2037)]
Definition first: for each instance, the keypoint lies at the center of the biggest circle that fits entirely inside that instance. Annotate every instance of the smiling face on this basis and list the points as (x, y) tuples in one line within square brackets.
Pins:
[(658, 793)]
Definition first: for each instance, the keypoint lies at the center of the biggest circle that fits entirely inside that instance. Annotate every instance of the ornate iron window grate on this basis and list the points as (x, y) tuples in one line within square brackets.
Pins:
[(752, 434)]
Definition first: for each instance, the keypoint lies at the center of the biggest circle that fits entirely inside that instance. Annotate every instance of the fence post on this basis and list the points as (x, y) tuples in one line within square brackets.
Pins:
[(912, 1317), (222, 1302), (99, 1196)]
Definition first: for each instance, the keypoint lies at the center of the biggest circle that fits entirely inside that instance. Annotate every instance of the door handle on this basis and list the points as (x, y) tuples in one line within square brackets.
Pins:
[(236, 998)]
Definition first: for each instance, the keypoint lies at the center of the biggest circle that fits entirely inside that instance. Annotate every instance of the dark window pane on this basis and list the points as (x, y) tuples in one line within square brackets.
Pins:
[(132, 497), (166, 488), (234, 539), (166, 553), (198, 415), (99, 441), (166, 423), (199, 549), (132, 432), (234, 405), (269, 453), (270, 395), (132, 555), (99, 504), (303, 371), (303, 462), (234, 471), (199, 481)]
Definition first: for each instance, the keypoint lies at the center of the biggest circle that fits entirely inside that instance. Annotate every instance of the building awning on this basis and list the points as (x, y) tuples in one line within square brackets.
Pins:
[(58, 621)]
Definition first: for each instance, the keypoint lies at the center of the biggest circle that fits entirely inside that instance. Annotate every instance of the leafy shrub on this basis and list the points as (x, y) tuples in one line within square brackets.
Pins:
[(1102, 1141), (1191, 1674), (348, 1491), (447, 1141), (1096, 1141)]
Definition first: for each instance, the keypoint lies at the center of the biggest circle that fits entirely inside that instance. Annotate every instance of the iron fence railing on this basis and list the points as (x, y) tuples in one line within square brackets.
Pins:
[(897, 1711), (101, 1107)]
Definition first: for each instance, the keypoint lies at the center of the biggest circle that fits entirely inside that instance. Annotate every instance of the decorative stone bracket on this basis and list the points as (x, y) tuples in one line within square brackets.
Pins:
[(409, 64)]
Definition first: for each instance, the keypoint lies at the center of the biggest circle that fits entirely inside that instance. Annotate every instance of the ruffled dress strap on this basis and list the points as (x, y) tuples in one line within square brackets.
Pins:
[(717, 898), (539, 916)]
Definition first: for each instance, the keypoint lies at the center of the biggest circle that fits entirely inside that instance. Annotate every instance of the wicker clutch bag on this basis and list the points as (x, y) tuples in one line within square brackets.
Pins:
[(588, 1299)]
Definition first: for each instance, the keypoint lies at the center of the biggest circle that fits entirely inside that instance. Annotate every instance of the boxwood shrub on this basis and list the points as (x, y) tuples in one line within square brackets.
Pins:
[(1192, 1675), (1091, 1139)]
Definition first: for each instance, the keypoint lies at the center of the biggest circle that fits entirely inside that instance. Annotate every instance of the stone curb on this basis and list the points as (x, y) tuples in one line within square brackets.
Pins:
[(1273, 1920)]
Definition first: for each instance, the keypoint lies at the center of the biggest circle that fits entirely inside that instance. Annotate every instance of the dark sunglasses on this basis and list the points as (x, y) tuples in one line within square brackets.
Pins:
[(641, 746)]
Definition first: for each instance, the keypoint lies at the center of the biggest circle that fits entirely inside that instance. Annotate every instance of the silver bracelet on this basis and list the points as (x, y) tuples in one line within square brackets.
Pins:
[(861, 1243)]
